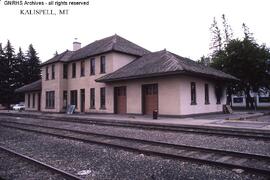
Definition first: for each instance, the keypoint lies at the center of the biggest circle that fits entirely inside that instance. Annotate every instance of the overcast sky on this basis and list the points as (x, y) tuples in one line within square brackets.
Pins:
[(179, 26)]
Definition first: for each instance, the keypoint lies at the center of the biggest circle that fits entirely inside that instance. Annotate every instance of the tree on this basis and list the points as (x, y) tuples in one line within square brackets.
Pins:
[(7, 86), (216, 40), (246, 60), (16, 71), (21, 68), (3, 77), (228, 34), (247, 33), (33, 65), (204, 61)]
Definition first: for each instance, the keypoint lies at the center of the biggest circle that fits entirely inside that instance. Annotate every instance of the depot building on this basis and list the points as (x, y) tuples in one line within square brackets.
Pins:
[(114, 75)]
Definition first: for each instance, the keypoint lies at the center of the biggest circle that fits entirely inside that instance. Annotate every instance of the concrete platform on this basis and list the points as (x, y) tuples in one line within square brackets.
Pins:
[(235, 120)]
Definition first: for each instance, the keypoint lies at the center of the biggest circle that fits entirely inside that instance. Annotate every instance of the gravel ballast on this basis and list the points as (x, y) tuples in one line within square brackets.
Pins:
[(14, 167), (192, 139), (109, 163)]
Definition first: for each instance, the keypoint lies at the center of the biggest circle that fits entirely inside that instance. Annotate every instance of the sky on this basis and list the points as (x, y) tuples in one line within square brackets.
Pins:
[(181, 27)]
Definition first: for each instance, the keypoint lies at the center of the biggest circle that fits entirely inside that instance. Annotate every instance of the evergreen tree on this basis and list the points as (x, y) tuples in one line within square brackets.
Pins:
[(21, 69), (228, 34), (16, 71), (8, 82), (3, 67), (33, 65), (247, 33), (204, 61), (216, 40)]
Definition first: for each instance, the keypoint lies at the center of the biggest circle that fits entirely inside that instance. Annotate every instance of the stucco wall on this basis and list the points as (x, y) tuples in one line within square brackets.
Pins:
[(51, 85), (185, 97), (113, 62), (120, 60), (174, 95), (31, 108), (168, 94)]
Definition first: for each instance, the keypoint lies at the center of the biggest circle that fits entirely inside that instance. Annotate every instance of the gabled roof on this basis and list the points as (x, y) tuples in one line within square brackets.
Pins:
[(112, 43), (162, 63), (34, 86)]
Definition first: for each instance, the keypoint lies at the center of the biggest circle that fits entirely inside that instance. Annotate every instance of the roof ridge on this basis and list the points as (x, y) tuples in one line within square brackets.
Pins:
[(162, 63)]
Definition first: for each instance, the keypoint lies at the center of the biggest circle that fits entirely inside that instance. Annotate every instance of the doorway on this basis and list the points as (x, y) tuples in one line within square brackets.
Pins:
[(82, 92)]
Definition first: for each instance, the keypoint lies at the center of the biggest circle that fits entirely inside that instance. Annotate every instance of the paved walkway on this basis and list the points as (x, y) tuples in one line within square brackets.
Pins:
[(238, 119)]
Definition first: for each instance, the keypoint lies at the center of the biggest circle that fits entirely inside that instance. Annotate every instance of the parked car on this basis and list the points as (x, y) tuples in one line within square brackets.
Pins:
[(18, 107)]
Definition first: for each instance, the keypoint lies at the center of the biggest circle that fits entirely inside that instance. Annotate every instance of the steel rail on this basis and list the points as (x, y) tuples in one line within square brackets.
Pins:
[(59, 171), (152, 147), (209, 130)]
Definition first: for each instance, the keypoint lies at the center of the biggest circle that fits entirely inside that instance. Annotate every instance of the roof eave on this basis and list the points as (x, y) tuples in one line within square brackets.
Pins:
[(25, 91), (166, 74)]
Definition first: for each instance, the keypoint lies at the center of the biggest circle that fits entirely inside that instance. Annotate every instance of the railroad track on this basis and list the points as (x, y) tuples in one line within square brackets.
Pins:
[(39, 163), (250, 162), (208, 130)]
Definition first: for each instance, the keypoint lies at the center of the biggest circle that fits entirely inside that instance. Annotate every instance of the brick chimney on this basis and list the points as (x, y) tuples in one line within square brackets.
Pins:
[(76, 45)]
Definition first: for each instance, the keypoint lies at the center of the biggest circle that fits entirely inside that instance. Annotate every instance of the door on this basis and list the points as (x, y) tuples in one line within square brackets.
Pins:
[(120, 100), (82, 92), (149, 98)]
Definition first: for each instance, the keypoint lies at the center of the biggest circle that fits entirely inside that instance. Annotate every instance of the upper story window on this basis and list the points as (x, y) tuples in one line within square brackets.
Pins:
[(65, 71), (206, 93), (73, 70), (82, 68), (53, 71), (193, 93), (102, 64), (47, 73), (92, 66)]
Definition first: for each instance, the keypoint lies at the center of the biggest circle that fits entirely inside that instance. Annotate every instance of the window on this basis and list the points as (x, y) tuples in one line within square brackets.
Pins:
[(73, 70), (49, 99), (92, 98), (34, 100), (65, 99), (65, 71), (102, 98), (218, 92), (92, 66), (28, 102), (193, 93), (74, 98), (206, 94), (102, 64), (47, 73), (53, 71), (82, 68)]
